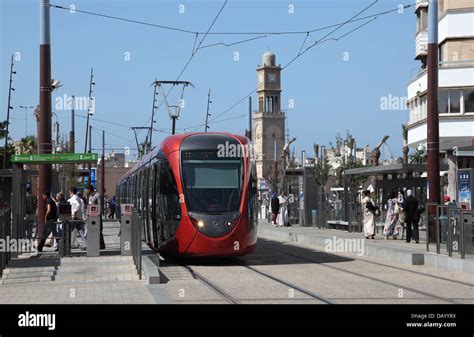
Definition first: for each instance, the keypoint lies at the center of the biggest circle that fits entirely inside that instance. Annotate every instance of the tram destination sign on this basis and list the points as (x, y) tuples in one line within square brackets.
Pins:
[(54, 158)]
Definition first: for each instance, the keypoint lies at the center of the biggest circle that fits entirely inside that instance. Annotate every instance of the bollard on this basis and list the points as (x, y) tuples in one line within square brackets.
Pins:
[(126, 243), (93, 231)]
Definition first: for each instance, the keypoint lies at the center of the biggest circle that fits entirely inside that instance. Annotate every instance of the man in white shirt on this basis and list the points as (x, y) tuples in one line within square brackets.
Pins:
[(77, 214)]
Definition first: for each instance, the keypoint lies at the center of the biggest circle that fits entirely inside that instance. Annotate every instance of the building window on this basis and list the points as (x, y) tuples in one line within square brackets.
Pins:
[(260, 104), (422, 20), (449, 101), (468, 100), (446, 5), (456, 50)]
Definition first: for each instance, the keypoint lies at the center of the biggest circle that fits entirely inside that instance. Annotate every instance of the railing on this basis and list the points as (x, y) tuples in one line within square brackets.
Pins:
[(454, 230), (5, 232), (137, 242)]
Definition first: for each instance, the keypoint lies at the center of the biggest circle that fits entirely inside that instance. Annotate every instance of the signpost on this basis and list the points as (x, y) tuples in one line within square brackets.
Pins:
[(56, 158), (464, 184)]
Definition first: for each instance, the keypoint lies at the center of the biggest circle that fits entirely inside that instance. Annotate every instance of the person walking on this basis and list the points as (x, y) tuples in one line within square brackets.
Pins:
[(400, 225), (275, 206), (50, 220), (95, 199), (412, 216), (392, 217), (369, 211), (112, 206), (77, 215)]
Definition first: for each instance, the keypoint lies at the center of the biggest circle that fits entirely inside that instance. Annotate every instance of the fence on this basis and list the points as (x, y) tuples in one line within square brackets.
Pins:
[(453, 229), (5, 233), (137, 241)]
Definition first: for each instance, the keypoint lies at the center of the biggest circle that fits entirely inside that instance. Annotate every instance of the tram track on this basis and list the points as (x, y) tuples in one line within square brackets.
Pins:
[(362, 275), (218, 290), (231, 299)]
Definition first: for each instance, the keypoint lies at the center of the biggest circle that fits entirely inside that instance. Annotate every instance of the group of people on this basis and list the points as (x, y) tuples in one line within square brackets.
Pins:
[(402, 210), (53, 226), (279, 208)]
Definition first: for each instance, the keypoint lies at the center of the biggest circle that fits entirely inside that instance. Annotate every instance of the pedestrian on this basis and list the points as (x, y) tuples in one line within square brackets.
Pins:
[(112, 206), (95, 199), (77, 215), (412, 217), (447, 199), (283, 210), (369, 213), (401, 214), (275, 206), (31, 204), (392, 217), (50, 220)]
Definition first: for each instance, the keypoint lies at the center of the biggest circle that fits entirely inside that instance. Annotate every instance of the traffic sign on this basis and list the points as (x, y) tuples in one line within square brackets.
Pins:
[(54, 158)]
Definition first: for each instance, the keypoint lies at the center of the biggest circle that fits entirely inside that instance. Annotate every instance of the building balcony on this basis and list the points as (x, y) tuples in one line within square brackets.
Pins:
[(451, 75), (421, 44), (454, 130), (421, 3), (456, 24)]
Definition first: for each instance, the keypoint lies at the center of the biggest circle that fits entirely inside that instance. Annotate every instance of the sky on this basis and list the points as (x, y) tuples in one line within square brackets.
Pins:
[(335, 86)]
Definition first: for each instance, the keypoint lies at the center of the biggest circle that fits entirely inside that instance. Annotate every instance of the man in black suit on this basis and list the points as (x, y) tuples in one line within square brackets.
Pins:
[(412, 217)]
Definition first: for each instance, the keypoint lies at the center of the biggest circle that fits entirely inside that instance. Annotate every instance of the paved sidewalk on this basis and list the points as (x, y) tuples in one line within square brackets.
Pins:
[(47, 279), (397, 251)]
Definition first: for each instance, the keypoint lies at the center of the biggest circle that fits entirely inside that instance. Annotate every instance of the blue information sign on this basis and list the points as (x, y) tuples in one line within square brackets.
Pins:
[(465, 188)]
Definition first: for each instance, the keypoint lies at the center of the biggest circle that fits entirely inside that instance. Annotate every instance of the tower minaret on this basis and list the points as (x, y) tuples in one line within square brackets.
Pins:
[(269, 121)]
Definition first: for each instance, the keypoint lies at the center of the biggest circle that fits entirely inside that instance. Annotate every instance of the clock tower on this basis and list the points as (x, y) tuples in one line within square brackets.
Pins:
[(269, 122)]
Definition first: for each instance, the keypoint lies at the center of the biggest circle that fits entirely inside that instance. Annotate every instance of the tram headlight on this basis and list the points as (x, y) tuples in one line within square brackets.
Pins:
[(197, 223)]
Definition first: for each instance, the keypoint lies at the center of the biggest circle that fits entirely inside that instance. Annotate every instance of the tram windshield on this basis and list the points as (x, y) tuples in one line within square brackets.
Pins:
[(212, 185)]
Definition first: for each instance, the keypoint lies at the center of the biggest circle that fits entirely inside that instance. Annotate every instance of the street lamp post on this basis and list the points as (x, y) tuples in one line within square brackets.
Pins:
[(26, 117), (174, 114)]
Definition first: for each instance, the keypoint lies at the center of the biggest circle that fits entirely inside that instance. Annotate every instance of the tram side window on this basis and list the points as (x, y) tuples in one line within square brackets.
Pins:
[(169, 193)]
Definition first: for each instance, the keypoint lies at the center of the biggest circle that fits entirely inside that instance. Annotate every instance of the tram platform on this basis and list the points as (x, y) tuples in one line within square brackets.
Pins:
[(340, 241), (45, 278)]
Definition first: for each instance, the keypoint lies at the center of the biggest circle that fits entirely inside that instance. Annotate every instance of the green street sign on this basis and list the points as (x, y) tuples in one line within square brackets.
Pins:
[(55, 158)]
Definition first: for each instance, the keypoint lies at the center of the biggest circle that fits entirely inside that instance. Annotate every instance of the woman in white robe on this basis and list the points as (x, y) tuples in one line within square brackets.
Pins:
[(368, 211), (283, 215)]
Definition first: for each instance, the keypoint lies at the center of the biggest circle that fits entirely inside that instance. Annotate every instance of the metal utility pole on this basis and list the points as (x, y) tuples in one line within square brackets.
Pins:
[(149, 139), (89, 167), (174, 114), (102, 173), (141, 149), (250, 117), (56, 127), (26, 117), (10, 89), (207, 111), (72, 140), (91, 83), (433, 118), (44, 136)]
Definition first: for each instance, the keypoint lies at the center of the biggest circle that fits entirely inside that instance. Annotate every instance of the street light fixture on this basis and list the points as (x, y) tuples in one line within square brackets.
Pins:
[(26, 117)]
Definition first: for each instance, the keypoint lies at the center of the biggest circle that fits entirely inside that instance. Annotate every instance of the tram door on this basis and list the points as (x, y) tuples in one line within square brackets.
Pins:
[(168, 206), (156, 220)]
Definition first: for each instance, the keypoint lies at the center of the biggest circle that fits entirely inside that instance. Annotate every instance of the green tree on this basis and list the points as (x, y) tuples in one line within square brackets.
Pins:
[(417, 157), (28, 145)]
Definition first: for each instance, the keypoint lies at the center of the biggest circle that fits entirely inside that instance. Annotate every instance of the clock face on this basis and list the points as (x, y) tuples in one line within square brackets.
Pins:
[(271, 78), (260, 78)]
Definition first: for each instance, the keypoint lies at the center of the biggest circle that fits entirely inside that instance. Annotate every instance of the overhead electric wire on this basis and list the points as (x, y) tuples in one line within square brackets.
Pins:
[(320, 41), (186, 31)]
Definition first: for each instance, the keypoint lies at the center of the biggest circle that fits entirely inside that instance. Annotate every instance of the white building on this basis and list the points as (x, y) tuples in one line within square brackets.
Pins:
[(456, 82)]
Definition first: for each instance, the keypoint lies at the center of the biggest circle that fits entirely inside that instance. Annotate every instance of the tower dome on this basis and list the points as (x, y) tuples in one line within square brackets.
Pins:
[(268, 59)]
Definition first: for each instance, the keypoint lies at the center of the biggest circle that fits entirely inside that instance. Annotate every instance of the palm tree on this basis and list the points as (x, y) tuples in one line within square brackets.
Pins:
[(417, 157), (28, 145)]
